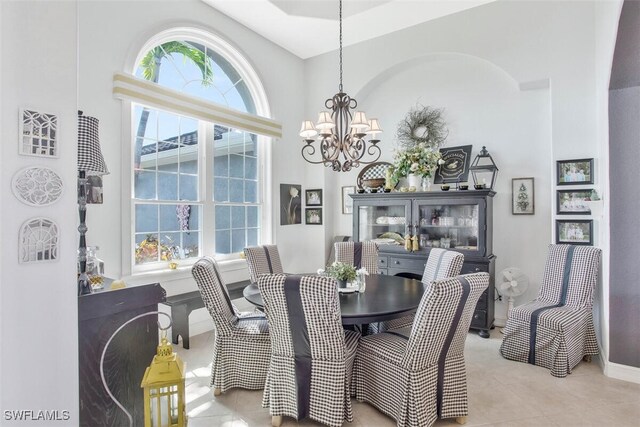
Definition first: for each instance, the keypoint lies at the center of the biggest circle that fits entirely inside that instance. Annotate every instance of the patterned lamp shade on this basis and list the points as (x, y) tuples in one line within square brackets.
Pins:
[(90, 158)]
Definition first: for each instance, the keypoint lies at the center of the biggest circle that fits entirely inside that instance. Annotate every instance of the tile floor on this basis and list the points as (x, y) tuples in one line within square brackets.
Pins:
[(501, 393)]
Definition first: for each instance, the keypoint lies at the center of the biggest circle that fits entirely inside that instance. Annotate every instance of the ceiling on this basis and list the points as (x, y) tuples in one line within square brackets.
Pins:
[(308, 28)]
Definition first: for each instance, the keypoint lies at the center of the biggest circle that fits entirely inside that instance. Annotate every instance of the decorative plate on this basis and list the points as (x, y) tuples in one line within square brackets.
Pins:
[(37, 186)]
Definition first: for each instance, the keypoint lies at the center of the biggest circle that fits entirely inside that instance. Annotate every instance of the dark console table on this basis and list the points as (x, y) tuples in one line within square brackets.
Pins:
[(130, 352)]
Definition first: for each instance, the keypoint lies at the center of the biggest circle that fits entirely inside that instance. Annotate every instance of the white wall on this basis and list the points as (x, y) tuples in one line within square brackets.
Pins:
[(533, 44), (38, 359)]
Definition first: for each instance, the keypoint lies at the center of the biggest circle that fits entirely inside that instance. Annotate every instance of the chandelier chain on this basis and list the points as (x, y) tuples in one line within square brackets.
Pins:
[(340, 18)]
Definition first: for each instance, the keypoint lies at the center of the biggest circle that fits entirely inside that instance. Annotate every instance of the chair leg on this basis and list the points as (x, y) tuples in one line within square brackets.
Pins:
[(461, 420), (276, 420), (217, 391), (587, 358)]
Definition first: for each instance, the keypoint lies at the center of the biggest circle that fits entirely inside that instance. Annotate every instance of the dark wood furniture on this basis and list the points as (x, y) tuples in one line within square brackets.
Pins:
[(385, 298), (463, 219), (182, 305), (130, 352)]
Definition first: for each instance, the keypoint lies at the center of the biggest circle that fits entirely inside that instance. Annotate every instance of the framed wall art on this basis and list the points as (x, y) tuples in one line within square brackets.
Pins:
[(523, 196), (313, 216), (38, 133), (347, 201), (456, 165), (574, 231), (574, 172), (573, 202), (313, 197), (290, 204), (38, 241), (37, 186)]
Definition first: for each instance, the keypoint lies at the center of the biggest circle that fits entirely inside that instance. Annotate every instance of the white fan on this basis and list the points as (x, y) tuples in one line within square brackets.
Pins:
[(512, 282)]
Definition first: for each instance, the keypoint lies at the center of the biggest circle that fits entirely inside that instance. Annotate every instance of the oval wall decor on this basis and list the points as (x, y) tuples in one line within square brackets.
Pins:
[(37, 186)]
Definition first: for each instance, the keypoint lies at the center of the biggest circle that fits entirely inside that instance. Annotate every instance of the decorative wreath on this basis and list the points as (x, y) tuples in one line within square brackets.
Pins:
[(422, 125)]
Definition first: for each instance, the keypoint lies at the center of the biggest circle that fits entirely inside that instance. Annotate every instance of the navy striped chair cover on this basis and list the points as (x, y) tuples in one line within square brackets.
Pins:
[(417, 374), (556, 329), (441, 264), (262, 260), (241, 347), (311, 354), (359, 254)]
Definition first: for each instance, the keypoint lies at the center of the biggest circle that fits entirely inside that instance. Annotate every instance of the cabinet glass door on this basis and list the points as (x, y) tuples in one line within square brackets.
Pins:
[(450, 225), (382, 222)]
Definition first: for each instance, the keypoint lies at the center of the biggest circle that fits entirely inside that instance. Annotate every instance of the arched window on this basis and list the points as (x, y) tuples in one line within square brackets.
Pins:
[(197, 184)]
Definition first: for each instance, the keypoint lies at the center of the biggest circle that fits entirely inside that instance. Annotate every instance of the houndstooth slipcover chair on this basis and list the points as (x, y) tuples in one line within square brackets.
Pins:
[(556, 329), (441, 264), (241, 346), (262, 260), (359, 254), (311, 354), (417, 374)]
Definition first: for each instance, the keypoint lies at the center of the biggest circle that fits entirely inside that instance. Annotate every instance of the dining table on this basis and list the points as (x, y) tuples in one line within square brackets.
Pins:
[(385, 298)]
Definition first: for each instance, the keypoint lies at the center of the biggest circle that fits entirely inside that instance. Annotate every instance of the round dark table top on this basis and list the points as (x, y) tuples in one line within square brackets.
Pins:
[(385, 298)]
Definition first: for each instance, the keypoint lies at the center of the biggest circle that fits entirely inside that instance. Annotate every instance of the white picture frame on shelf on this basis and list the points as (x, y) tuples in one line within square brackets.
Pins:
[(38, 133)]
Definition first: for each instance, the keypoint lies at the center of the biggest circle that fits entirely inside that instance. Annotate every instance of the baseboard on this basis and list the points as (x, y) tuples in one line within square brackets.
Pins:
[(499, 322), (622, 372)]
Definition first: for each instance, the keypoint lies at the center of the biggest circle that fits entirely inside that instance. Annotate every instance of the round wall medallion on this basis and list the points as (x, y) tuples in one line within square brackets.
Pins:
[(37, 186)]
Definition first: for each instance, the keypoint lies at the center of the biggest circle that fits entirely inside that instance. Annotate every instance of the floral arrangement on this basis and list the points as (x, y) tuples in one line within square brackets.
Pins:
[(341, 271), (419, 159), (147, 250)]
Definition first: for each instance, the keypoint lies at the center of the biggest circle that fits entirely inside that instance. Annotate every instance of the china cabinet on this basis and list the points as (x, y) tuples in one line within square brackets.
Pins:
[(456, 220)]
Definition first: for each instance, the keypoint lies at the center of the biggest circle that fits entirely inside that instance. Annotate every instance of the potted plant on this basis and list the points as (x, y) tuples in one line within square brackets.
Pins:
[(416, 162), (342, 272)]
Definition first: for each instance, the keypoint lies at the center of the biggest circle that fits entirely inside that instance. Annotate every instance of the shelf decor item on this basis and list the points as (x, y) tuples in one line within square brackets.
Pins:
[(90, 162), (573, 202), (574, 231), (37, 186), (38, 241), (454, 166), (415, 163), (484, 170), (574, 172), (522, 196), (341, 133), (38, 133), (422, 125)]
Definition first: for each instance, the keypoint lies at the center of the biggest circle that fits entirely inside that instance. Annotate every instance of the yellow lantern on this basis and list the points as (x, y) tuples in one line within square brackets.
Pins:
[(163, 385)]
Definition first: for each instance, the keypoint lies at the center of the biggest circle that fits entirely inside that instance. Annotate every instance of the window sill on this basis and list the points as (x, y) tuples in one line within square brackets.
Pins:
[(180, 273)]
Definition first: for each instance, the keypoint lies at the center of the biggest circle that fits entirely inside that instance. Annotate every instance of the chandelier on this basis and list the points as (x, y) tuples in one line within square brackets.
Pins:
[(341, 133)]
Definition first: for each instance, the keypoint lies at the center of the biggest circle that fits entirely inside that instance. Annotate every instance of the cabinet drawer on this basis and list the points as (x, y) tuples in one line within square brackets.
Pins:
[(383, 261), (482, 301), (479, 319), (405, 264), (382, 271), (474, 267)]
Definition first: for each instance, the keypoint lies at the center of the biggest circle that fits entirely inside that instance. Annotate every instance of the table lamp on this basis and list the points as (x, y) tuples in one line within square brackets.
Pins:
[(90, 162)]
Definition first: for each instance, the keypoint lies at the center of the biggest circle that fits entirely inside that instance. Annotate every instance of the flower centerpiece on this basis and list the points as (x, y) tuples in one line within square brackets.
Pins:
[(342, 272), (419, 160)]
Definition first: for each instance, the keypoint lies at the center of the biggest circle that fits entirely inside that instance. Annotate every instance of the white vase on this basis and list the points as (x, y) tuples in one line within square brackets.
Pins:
[(414, 181)]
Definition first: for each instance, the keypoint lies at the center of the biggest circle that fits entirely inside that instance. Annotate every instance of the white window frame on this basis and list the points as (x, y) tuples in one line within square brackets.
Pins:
[(207, 217)]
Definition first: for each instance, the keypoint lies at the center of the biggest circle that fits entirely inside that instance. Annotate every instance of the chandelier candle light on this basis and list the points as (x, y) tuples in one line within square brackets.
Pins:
[(341, 133)]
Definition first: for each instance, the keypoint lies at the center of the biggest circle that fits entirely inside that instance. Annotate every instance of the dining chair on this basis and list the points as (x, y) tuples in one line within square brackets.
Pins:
[(241, 346), (556, 329), (417, 374), (311, 354), (262, 260), (441, 264), (358, 254)]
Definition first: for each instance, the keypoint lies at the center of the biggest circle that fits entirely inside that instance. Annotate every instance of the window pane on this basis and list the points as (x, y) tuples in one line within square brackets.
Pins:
[(252, 237), (250, 142), (191, 245), (189, 166), (145, 185), (250, 168), (168, 126), (221, 190), (252, 216), (169, 244), (223, 242), (146, 248), (188, 187), (251, 191), (145, 122), (188, 127), (148, 154), (146, 218), (168, 156), (237, 217), (223, 217), (221, 165), (167, 186), (238, 241), (168, 218), (236, 166), (236, 190)]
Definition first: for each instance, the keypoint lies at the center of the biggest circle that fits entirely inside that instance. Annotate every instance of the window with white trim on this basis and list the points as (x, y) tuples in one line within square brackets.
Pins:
[(197, 184)]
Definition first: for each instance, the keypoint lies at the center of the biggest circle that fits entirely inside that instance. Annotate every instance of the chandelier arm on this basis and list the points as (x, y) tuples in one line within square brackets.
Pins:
[(340, 19), (310, 150)]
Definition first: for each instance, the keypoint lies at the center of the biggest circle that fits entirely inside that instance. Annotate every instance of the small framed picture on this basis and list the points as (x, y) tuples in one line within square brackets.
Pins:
[(575, 172), (574, 231), (313, 216), (347, 202), (523, 196), (456, 165), (313, 197), (572, 202)]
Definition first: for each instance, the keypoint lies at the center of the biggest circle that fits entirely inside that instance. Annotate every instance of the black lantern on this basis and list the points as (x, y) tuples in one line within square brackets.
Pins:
[(484, 170)]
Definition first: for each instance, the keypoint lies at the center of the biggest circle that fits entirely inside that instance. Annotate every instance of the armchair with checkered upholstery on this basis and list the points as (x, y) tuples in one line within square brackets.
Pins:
[(441, 264), (358, 254), (311, 354), (556, 329), (417, 374), (262, 260), (241, 346)]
